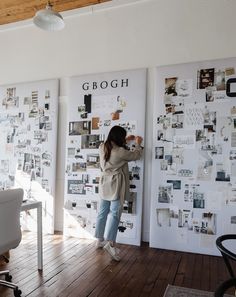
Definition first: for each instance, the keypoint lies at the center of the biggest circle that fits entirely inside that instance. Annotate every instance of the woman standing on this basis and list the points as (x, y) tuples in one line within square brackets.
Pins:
[(114, 185)]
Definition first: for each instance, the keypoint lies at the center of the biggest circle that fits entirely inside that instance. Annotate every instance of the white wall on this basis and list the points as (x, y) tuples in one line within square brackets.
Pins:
[(113, 37)]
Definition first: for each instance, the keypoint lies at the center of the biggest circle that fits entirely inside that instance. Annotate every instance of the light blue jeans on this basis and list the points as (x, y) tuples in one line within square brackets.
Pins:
[(108, 220)]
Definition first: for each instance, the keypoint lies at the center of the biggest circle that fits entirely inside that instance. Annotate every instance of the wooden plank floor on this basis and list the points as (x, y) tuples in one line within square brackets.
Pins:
[(75, 268)]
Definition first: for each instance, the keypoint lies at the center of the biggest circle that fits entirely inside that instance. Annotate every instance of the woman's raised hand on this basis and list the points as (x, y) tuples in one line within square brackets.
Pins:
[(130, 138), (138, 139)]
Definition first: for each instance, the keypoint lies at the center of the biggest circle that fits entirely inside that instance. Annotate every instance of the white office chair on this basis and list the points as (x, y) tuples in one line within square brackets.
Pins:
[(10, 231)]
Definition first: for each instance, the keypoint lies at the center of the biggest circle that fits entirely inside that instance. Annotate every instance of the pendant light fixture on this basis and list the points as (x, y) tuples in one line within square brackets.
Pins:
[(49, 20)]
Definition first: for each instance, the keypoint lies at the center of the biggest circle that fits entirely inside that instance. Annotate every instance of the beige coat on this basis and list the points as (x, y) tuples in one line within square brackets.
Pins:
[(114, 180)]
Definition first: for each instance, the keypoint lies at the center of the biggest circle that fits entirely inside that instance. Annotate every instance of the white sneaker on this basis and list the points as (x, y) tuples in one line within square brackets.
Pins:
[(117, 250), (100, 244), (111, 251)]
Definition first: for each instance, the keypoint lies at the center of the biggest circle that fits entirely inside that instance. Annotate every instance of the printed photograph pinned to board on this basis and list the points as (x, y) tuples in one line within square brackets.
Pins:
[(194, 140), (28, 128), (98, 102)]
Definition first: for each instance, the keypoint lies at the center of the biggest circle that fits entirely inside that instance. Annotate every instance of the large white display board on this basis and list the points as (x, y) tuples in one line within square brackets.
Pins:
[(28, 128), (98, 102), (194, 156)]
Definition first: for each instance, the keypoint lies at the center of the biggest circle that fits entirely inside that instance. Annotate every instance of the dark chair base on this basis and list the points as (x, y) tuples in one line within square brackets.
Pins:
[(7, 283), (230, 283)]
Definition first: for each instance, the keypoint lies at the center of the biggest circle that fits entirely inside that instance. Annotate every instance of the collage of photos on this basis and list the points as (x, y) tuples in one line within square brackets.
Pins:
[(90, 120), (28, 141), (194, 141)]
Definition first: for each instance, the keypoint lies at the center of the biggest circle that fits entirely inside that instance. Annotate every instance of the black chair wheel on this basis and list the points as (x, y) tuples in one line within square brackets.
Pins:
[(17, 293), (8, 277), (223, 288)]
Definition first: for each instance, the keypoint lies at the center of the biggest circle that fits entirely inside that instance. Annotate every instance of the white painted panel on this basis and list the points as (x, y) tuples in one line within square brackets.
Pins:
[(28, 128), (193, 176), (96, 103)]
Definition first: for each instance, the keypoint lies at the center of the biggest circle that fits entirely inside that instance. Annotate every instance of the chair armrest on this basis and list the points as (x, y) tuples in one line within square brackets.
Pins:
[(223, 249)]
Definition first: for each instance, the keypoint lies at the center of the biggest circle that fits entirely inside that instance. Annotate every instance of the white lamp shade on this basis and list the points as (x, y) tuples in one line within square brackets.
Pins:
[(48, 19)]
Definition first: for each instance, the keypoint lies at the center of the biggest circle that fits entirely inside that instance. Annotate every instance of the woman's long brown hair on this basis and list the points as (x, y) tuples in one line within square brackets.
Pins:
[(116, 135)]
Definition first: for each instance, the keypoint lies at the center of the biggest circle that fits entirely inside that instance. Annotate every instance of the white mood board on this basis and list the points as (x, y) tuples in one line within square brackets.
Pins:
[(28, 128), (98, 102), (194, 156)]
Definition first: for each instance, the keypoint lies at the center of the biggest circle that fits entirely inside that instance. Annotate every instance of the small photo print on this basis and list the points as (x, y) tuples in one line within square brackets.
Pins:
[(34, 111), (209, 144), (129, 205), (185, 172), (233, 220), (78, 166), (220, 96), (79, 128), (177, 121), (176, 184), (233, 110), (164, 165), (175, 108), (210, 92), (163, 217), (160, 135), (169, 159), (191, 192), (200, 135), (159, 152), (232, 155), (178, 155), (125, 226), (179, 108), (164, 121), (95, 123), (233, 139), (206, 78), (170, 87), (75, 187), (207, 224), (107, 123), (174, 212), (222, 173), (204, 171), (220, 80), (11, 100), (91, 141), (229, 71), (170, 108), (47, 94), (81, 108), (70, 152), (185, 219), (164, 194), (210, 121), (134, 173), (188, 193), (184, 88), (198, 200), (93, 161), (82, 111)]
